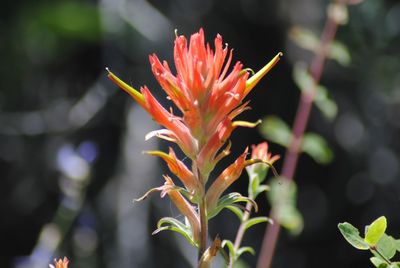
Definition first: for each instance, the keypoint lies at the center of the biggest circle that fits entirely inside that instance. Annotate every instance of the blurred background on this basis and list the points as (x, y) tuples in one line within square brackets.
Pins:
[(71, 142)]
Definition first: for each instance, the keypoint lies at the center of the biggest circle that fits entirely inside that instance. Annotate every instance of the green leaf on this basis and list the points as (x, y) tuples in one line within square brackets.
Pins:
[(322, 100), (244, 250), (375, 231), (378, 262), (397, 243), (276, 130), (228, 200), (352, 235), (230, 246), (171, 224), (238, 211), (261, 188), (387, 246), (325, 103), (304, 38), (254, 221), (282, 196), (339, 52), (315, 146), (301, 77)]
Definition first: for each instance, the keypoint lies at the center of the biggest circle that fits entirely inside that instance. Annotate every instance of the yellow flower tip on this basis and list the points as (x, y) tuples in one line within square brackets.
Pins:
[(253, 81), (246, 123), (136, 95)]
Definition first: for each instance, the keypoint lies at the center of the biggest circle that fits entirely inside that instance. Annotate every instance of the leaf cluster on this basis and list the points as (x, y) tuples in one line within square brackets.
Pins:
[(381, 245)]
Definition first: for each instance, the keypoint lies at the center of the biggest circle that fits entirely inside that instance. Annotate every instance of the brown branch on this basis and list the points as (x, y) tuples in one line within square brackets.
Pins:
[(299, 126)]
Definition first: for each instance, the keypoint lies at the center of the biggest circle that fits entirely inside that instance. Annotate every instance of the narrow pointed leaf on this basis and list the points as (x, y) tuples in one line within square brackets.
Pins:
[(352, 235), (244, 250), (172, 224), (256, 220), (238, 212), (228, 200), (230, 246), (375, 231)]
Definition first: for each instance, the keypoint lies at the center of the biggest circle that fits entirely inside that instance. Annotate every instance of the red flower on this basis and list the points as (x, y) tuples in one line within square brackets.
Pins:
[(208, 98), (60, 263)]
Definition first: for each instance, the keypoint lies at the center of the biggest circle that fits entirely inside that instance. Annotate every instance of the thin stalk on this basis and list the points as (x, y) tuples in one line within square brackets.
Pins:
[(381, 255), (240, 233), (203, 228), (299, 126)]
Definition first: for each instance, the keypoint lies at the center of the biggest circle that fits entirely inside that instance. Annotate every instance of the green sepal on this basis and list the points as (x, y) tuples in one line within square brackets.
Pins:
[(375, 231), (229, 200), (172, 224), (352, 235)]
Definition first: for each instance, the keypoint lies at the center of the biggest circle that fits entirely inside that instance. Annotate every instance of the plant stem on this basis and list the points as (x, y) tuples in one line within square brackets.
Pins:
[(240, 233), (299, 126), (381, 255), (203, 228)]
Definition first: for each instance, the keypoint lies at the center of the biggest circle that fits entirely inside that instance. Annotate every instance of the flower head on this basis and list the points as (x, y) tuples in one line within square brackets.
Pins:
[(208, 94), (60, 263)]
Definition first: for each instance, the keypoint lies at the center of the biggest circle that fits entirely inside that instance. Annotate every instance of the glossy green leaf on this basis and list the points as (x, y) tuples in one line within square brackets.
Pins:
[(244, 250), (256, 220), (397, 243), (387, 246), (238, 211), (375, 231), (378, 262), (282, 196), (230, 246), (315, 146), (276, 130), (172, 224), (352, 235), (228, 200)]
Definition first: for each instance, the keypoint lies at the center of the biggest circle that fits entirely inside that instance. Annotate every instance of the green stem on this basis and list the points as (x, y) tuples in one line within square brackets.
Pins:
[(381, 255), (203, 228), (240, 233)]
